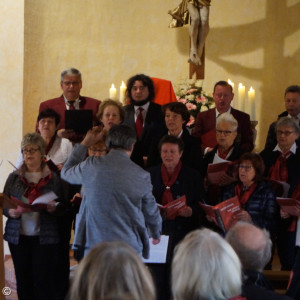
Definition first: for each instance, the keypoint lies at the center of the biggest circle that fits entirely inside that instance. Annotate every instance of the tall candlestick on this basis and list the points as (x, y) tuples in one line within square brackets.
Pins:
[(113, 92), (251, 98), (122, 93), (241, 97)]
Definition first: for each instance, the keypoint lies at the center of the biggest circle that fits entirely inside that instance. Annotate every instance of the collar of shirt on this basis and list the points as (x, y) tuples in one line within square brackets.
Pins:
[(179, 135), (76, 103), (144, 112), (293, 148), (298, 116), (228, 111)]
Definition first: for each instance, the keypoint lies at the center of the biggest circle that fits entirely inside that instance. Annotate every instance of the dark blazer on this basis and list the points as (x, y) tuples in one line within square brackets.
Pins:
[(58, 104), (271, 140), (191, 155), (206, 121), (188, 183), (293, 165), (154, 125)]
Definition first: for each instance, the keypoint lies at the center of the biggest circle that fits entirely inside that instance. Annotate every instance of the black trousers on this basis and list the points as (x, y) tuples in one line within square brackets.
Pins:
[(294, 288), (34, 268)]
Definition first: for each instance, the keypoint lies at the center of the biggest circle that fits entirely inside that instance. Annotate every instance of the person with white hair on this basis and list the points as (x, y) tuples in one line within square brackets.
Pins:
[(205, 267), (253, 246)]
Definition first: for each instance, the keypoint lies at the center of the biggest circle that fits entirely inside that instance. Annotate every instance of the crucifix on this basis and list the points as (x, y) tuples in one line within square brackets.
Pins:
[(197, 12)]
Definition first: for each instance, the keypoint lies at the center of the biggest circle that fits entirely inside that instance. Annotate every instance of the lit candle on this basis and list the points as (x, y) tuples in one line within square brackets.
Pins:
[(122, 92), (113, 92), (234, 102), (251, 98), (241, 97), (231, 83)]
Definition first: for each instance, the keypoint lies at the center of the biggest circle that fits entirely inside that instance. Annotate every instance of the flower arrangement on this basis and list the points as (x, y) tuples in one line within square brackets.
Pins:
[(190, 93)]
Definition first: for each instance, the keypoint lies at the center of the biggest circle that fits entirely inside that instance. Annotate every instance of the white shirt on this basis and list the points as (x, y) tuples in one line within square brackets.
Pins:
[(144, 112), (76, 103)]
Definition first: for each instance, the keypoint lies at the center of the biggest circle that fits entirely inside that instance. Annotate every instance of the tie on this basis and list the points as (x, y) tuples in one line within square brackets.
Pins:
[(139, 122), (71, 105)]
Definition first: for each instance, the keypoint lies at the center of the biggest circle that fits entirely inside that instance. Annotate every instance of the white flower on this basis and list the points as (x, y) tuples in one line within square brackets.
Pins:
[(198, 83), (203, 108), (190, 97)]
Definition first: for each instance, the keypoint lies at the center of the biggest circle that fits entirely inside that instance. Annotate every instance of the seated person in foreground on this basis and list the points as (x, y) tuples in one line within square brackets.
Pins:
[(257, 199), (206, 267), (205, 123), (176, 117), (171, 180), (283, 164), (112, 271), (253, 246)]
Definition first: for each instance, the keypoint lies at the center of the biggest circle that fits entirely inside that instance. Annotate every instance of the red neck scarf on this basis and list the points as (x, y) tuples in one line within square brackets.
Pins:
[(224, 154), (244, 195), (168, 181), (34, 190), (49, 146), (279, 170)]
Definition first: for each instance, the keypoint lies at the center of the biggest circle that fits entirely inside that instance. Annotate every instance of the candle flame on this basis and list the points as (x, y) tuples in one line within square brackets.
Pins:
[(251, 89), (123, 84), (241, 85), (112, 86)]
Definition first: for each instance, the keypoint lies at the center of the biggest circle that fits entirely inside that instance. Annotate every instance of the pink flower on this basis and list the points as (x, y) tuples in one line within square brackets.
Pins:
[(191, 91), (182, 100), (191, 121), (190, 106), (201, 99)]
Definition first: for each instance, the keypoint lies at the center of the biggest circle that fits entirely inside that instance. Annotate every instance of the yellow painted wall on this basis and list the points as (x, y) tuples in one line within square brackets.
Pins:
[(253, 42)]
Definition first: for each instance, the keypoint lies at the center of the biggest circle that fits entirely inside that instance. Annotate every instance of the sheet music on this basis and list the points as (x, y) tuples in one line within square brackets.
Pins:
[(158, 253)]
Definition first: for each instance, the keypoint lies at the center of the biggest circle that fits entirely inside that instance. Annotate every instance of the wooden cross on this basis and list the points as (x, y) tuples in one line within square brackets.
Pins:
[(199, 70)]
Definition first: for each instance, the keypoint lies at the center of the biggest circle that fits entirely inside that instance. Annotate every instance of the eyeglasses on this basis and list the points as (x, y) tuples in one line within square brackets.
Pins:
[(69, 83), (225, 132), (98, 150), (30, 151), (245, 167), (285, 133)]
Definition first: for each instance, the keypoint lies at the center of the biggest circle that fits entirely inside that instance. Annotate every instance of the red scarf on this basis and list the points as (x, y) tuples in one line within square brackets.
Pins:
[(49, 146), (279, 170), (34, 190), (224, 154), (168, 181), (244, 195)]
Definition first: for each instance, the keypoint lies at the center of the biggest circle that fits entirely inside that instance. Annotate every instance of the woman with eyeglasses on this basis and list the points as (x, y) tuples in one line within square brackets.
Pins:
[(256, 197), (32, 234), (283, 164)]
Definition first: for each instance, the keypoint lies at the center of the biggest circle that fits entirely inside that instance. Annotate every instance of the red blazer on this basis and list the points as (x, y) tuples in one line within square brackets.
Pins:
[(58, 104), (206, 121)]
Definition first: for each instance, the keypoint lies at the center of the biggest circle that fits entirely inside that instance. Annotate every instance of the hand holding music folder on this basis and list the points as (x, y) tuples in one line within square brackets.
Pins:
[(172, 209), (223, 213), (216, 173), (289, 205)]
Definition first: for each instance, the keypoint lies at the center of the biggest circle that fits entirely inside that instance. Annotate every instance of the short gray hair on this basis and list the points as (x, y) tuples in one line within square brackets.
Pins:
[(252, 245), (120, 137), (288, 122), (33, 139), (228, 118), (205, 250), (70, 72)]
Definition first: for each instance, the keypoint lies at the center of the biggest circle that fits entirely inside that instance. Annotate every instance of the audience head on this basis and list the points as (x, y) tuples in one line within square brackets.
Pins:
[(71, 84), (287, 132), (112, 271), (292, 100), (48, 120), (171, 149), (252, 245), (205, 267), (121, 137), (176, 116), (140, 89), (226, 130), (251, 168), (99, 148), (222, 96), (33, 150), (110, 113)]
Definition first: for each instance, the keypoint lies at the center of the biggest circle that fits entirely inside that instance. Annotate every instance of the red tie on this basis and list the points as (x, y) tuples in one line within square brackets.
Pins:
[(139, 123), (71, 105)]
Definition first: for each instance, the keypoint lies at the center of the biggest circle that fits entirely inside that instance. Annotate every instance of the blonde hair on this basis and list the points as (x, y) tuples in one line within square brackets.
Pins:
[(205, 267), (112, 270), (110, 102)]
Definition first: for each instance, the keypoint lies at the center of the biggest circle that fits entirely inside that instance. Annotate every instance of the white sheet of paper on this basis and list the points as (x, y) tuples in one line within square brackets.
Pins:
[(158, 253), (46, 198)]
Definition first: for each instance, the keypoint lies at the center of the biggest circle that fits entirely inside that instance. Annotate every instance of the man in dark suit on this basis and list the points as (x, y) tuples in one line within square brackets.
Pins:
[(292, 105), (143, 115), (206, 121), (71, 85)]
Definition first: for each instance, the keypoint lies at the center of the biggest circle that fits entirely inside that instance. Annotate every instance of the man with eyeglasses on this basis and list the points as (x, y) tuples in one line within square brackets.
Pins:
[(292, 106), (71, 85), (143, 115), (205, 123)]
